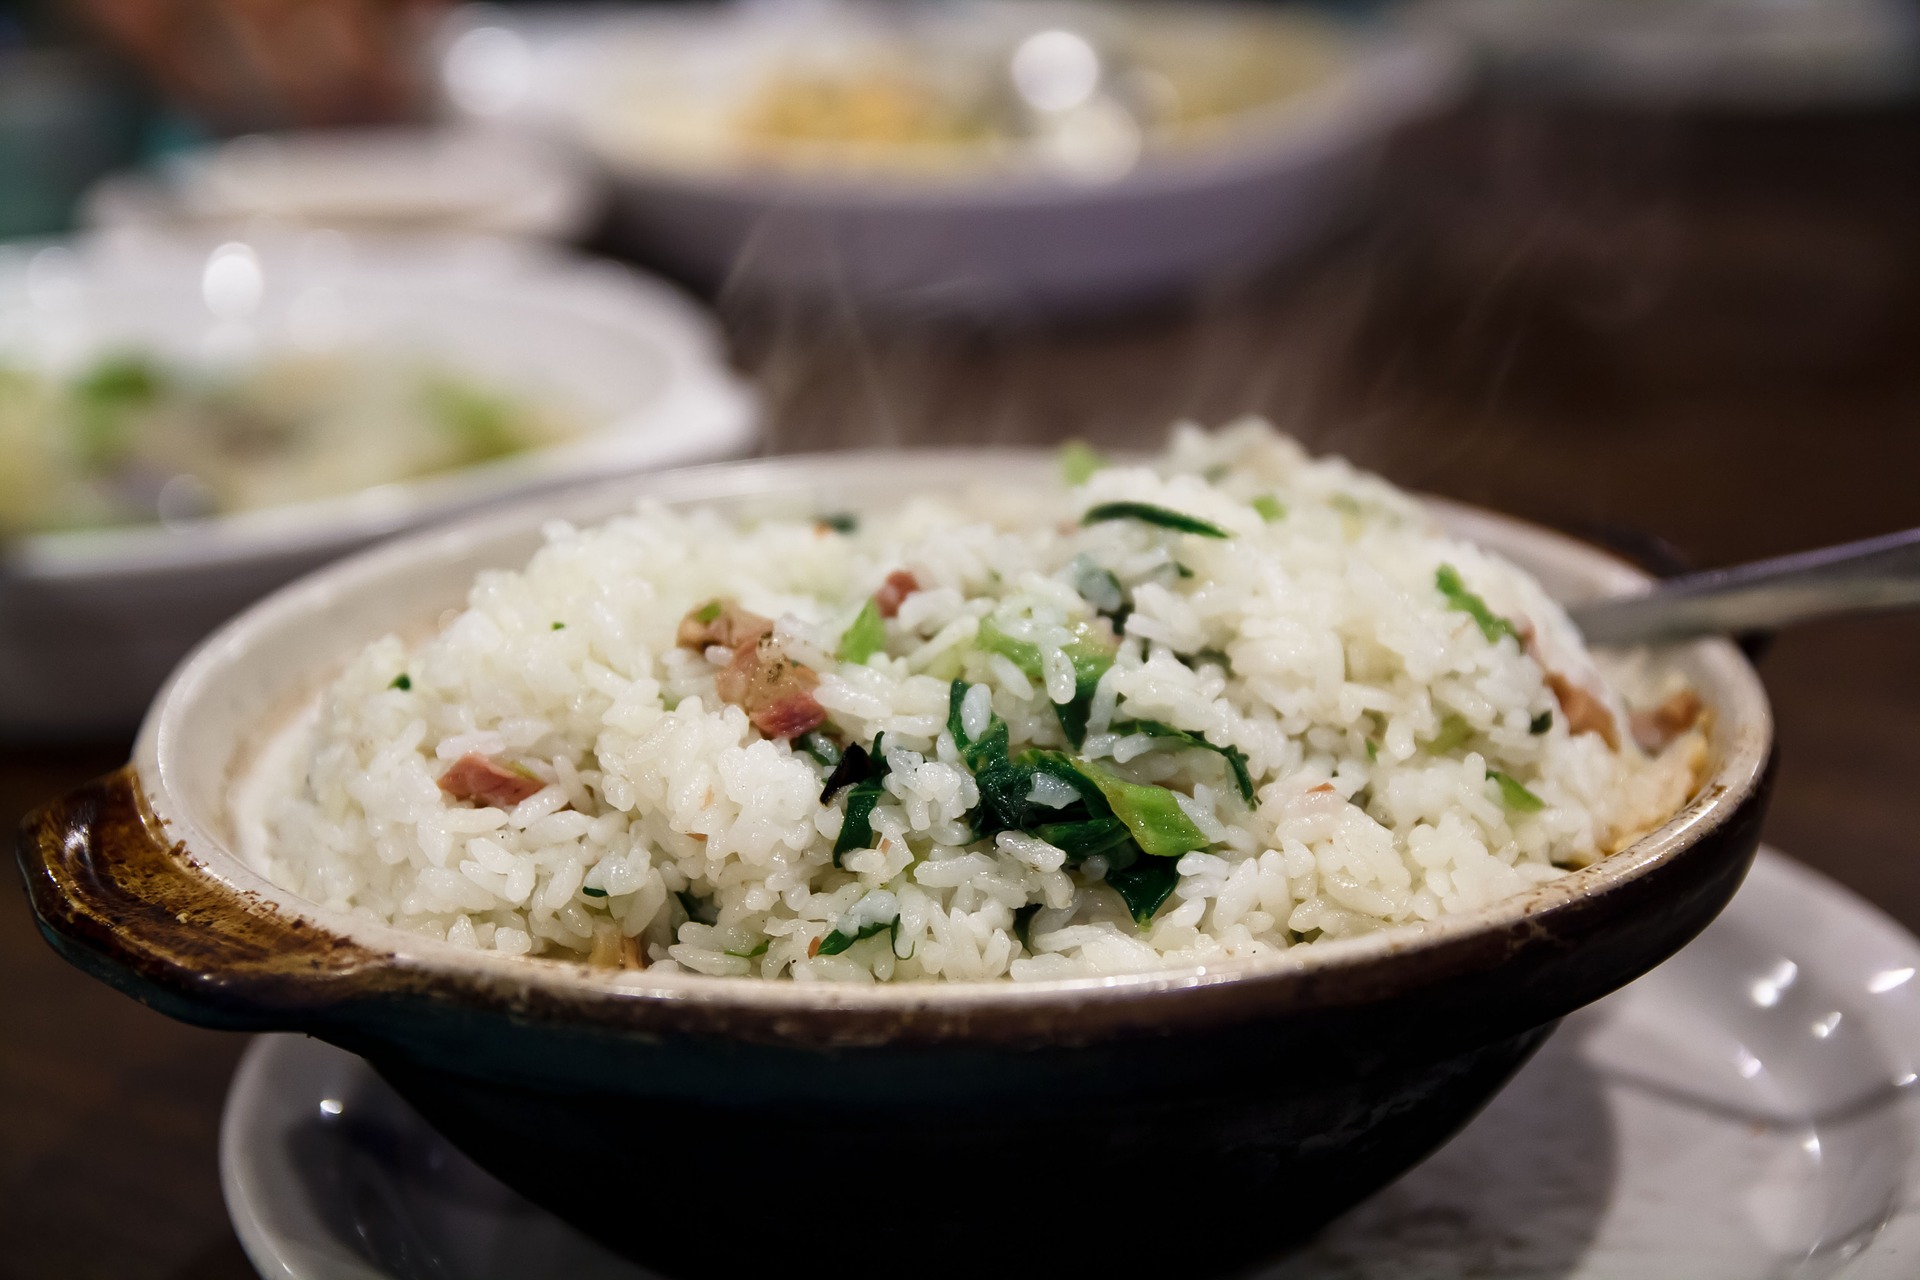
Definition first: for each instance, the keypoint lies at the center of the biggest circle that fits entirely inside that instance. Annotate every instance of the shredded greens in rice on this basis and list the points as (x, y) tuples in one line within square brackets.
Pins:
[(1229, 703)]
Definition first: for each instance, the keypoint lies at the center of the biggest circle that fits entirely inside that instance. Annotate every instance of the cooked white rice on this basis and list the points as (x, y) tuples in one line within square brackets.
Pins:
[(1376, 717)]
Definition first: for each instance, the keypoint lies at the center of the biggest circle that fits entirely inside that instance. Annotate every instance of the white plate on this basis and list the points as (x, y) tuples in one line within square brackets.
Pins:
[(1744, 1111), (92, 621)]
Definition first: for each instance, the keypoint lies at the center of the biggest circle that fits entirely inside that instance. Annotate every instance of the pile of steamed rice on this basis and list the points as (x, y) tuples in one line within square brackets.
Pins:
[(1409, 760)]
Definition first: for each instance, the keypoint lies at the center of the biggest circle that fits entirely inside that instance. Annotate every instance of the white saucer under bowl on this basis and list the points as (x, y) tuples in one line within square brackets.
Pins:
[(1747, 1110)]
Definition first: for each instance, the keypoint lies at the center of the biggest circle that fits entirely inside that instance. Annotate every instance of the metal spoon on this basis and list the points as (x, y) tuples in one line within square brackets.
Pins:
[(1856, 577)]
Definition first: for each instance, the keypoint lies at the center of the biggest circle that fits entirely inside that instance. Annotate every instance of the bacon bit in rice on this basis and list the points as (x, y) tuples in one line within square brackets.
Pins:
[(899, 585), (723, 623), (1325, 786), (1585, 713), (813, 948), (775, 691), (476, 778), (1654, 730), (630, 956)]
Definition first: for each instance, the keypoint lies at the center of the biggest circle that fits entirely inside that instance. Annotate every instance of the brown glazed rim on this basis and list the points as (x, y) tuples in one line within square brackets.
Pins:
[(193, 931)]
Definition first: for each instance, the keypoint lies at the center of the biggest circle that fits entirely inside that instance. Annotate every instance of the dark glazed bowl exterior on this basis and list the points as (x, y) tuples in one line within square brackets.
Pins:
[(712, 1126)]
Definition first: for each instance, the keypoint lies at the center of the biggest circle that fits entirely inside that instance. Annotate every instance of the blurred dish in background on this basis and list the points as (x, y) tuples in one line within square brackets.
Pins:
[(341, 381), (463, 179), (978, 156), (1752, 54), (132, 439)]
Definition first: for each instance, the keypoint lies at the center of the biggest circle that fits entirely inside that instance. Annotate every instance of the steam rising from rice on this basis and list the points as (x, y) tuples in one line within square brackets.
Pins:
[(1384, 729)]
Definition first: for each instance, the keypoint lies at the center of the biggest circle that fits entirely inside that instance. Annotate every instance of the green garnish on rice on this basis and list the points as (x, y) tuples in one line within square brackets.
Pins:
[(1148, 513), (1491, 624), (865, 637), (1079, 461), (1515, 796)]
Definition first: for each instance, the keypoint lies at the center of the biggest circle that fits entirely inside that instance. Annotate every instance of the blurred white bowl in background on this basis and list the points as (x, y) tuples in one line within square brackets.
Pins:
[(997, 239), (480, 180), (91, 620)]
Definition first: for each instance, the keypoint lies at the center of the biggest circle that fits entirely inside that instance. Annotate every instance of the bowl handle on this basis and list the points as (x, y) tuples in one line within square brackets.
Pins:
[(118, 900)]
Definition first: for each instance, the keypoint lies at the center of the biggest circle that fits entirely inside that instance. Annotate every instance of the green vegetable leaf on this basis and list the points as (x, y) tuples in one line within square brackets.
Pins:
[(1159, 825), (1145, 887), (1373, 750), (757, 951), (698, 909), (1515, 796), (836, 942), (1269, 508), (866, 637), (1003, 783), (1447, 579), (710, 611), (1454, 731), (840, 521), (856, 828), (402, 682), (1540, 723), (558, 626), (1236, 759), (1147, 513), (1023, 923), (1088, 654), (821, 748), (1078, 461), (1083, 840), (592, 892)]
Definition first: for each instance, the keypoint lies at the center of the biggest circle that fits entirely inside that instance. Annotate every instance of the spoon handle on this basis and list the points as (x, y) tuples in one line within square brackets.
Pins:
[(1856, 577)]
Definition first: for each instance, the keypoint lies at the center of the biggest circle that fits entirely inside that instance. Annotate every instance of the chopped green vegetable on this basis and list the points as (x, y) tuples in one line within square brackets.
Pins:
[(821, 748), (710, 611), (558, 626), (1003, 783), (1099, 588), (402, 682), (1088, 654), (1078, 461), (1236, 759), (841, 521), (856, 828), (1145, 886), (1269, 508), (836, 942), (1373, 750), (1194, 661), (757, 951), (1147, 513), (592, 892), (1023, 923), (1090, 838), (1515, 796), (1159, 825), (1491, 624), (698, 909), (1540, 723), (1454, 732), (866, 637)]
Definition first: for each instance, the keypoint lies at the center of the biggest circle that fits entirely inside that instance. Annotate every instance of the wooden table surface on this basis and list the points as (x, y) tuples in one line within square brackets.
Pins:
[(1704, 330)]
